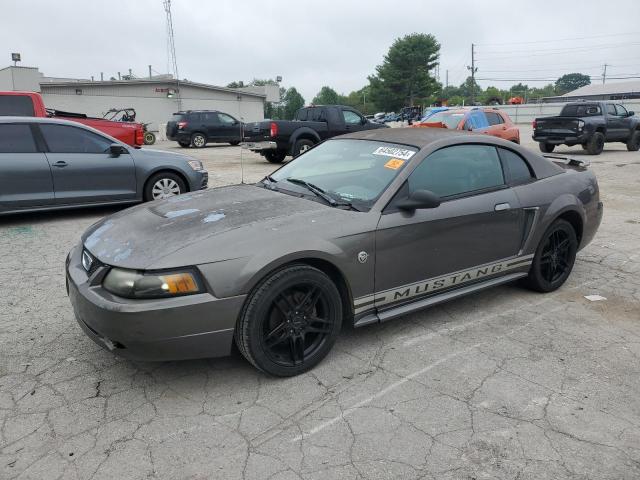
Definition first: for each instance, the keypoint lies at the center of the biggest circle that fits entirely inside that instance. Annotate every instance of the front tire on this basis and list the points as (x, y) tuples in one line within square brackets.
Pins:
[(633, 144), (163, 185), (554, 258), (275, 156), (546, 147), (290, 321), (595, 145), (198, 140)]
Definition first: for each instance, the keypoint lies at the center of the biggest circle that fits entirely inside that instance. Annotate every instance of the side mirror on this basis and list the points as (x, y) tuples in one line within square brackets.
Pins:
[(631, 113), (115, 150), (419, 199), (364, 121)]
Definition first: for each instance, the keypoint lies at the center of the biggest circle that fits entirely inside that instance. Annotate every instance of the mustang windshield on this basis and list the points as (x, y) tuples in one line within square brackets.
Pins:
[(351, 171)]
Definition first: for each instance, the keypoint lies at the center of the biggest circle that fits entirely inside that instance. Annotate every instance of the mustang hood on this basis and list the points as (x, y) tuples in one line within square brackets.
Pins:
[(140, 236)]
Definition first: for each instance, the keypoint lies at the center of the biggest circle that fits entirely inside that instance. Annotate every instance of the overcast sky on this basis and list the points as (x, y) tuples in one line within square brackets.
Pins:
[(327, 42)]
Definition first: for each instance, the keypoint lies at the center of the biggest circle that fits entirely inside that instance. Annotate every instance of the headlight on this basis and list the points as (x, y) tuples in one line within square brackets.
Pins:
[(580, 124), (196, 165), (134, 284)]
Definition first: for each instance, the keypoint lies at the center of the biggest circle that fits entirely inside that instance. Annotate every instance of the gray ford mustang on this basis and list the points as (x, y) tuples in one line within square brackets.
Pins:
[(361, 229)]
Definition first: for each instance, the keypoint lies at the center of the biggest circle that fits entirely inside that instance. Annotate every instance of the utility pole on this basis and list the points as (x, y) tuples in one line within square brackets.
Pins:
[(473, 69), (604, 74), (150, 75), (171, 47)]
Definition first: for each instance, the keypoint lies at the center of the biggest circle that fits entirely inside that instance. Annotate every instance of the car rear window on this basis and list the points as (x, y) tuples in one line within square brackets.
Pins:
[(177, 117), (16, 106), (587, 110), (16, 138)]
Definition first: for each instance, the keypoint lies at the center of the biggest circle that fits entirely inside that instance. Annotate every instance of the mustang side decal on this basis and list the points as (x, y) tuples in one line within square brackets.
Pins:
[(423, 287)]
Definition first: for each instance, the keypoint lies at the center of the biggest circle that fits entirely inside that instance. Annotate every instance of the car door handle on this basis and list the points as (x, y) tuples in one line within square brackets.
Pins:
[(502, 206), (60, 164)]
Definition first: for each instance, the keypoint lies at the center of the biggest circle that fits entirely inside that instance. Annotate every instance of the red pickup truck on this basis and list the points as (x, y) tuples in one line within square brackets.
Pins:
[(30, 104)]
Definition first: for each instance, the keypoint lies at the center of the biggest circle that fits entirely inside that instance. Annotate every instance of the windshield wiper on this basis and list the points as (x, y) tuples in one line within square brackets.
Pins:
[(315, 190), (271, 182)]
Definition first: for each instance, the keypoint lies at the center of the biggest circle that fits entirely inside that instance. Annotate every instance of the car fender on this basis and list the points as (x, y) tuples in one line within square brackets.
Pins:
[(306, 131), (562, 204), (239, 276)]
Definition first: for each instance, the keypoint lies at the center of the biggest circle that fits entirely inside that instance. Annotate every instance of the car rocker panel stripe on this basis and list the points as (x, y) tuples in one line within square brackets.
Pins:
[(444, 282)]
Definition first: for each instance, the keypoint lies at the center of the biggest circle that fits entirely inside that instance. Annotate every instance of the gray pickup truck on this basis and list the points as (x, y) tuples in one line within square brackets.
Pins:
[(589, 124), (275, 139)]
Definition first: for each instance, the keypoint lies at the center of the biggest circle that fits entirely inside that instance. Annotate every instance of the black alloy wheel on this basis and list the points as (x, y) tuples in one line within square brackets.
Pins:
[(298, 325), (554, 257), (290, 321)]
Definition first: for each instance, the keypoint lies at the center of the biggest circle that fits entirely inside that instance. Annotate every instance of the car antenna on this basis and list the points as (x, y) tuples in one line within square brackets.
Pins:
[(241, 150)]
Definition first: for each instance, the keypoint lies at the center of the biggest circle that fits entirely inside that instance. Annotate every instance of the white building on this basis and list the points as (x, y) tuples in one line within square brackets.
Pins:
[(154, 99)]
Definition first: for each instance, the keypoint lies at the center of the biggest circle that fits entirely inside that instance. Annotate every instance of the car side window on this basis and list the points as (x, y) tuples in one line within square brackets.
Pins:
[(516, 168), (477, 119), (209, 118), (494, 118), (226, 119), (16, 138), (68, 139), (621, 111), (351, 118), (458, 170), (611, 109)]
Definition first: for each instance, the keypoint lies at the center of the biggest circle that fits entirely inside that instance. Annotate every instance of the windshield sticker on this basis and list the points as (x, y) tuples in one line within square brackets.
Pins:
[(394, 164), (394, 152)]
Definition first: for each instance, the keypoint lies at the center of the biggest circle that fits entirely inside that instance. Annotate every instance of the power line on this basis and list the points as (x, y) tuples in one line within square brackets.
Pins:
[(558, 39), (580, 50), (558, 49)]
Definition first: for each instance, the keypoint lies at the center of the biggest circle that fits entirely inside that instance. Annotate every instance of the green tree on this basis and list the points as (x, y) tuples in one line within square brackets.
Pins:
[(327, 96), (572, 81), (239, 84), (292, 101), (492, 95), (260, 82), (404, 75), (361, 100), (470, 89)]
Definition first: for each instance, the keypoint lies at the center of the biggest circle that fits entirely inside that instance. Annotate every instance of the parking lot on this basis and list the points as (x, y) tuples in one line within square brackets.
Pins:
[(505, 384)]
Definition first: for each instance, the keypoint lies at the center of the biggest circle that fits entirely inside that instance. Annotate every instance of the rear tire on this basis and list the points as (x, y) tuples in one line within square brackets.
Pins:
[(290, 321), (149, 138), (554, 258), (546, 147), (275, 156), (198, 140), (633, 144), (163, 185), (595, 145), (235, 143), (302, 146)]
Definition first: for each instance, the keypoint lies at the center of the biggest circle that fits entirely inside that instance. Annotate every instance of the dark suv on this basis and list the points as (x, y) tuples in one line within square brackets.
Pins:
[(198, 127)]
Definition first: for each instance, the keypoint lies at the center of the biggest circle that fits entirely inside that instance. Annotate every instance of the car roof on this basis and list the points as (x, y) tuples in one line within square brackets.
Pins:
[(418, 137)]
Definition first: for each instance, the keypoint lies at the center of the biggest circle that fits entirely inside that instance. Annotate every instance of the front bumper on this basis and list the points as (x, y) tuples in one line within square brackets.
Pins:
[(188, 327), (259, 146)]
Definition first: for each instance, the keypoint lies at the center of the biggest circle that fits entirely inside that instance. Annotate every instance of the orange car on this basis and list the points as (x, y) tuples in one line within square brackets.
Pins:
[(483, 120)]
